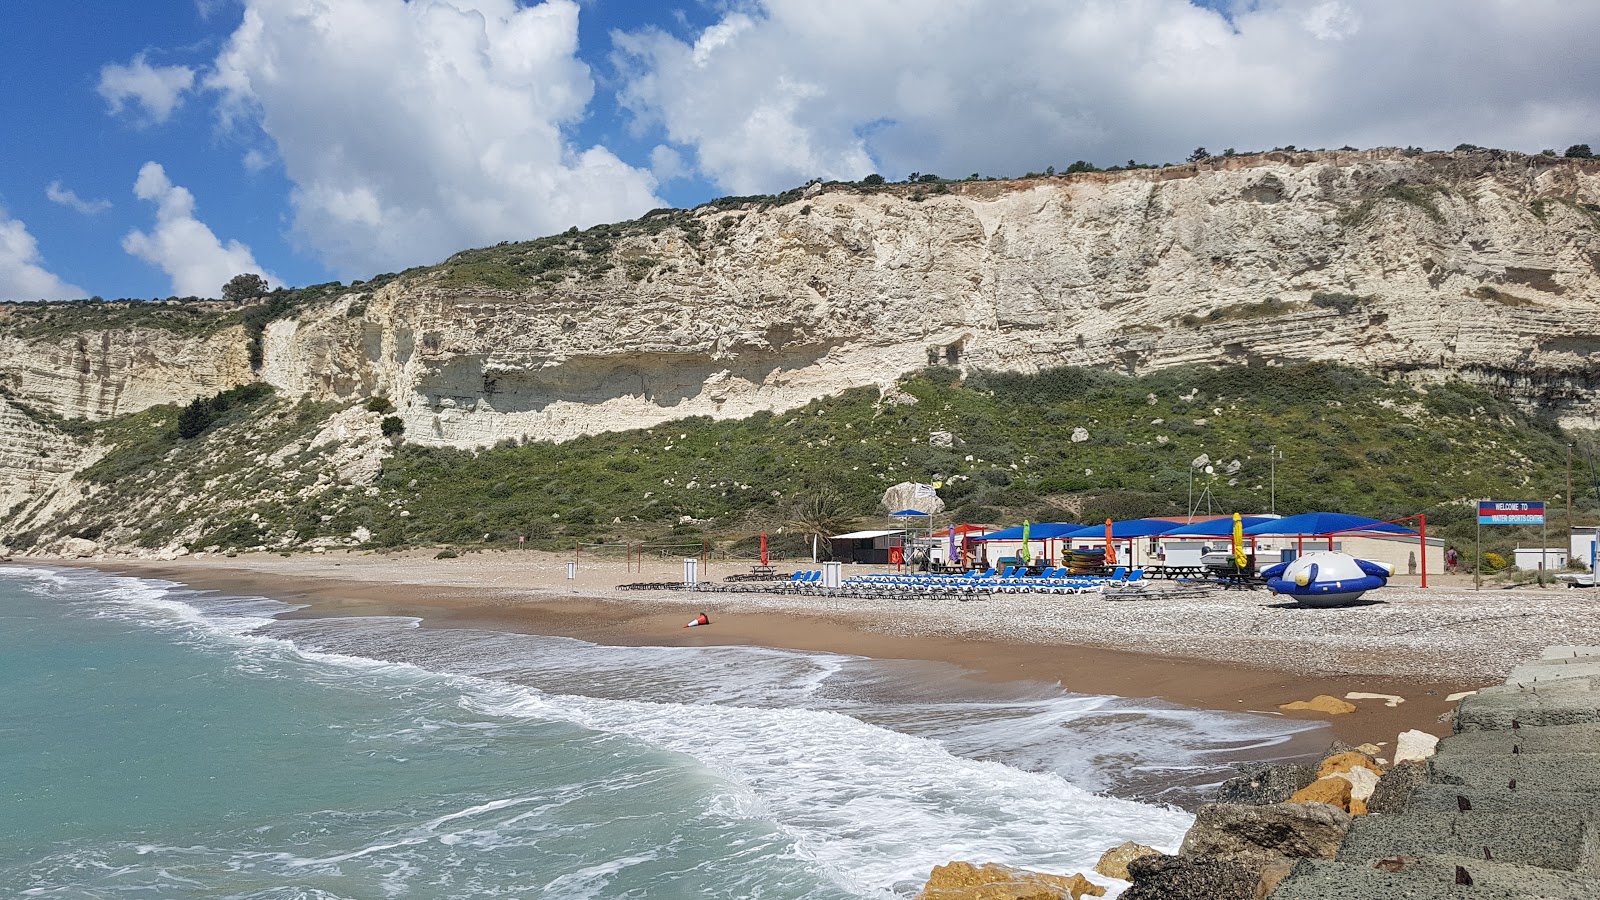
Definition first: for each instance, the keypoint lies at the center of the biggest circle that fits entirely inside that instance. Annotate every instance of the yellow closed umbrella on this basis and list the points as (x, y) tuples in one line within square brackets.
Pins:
[(1239, 557)]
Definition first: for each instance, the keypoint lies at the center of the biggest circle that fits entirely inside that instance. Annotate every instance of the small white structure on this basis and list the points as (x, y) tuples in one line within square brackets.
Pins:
[(1583, 545), (1539, 559)]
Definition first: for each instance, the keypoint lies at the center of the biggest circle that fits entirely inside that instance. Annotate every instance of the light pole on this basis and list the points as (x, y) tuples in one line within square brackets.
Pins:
[(1272, 477)]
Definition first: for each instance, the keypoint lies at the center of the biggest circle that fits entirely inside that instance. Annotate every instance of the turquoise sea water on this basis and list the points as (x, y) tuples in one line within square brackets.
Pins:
[(161, 742)]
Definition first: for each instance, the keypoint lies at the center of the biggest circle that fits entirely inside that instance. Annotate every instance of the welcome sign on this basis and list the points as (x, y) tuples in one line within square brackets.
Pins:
[(1510, 512)]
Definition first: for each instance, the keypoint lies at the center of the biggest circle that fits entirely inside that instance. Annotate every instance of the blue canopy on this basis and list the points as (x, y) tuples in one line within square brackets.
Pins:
[(1038, 531), (1323, 524), (904, 513), (1127, 528), (1214, 527)]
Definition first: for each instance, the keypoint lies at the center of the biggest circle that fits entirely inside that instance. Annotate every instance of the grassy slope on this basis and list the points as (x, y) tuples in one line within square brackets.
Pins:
[(1350, 442)]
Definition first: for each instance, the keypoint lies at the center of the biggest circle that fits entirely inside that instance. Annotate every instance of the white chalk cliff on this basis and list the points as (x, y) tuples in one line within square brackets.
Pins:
[(1483, 266)]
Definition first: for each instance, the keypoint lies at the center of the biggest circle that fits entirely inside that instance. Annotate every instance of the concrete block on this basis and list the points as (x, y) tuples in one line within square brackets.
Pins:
[(1446, 798), (1535, 839), (1548, 739), (1569, 652), (1577, 772), (1431, 876), (1498, 711), (1573, 685), (1546, 670)]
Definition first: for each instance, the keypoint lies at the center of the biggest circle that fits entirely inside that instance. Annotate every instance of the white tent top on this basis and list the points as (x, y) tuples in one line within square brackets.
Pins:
[(862, 535)]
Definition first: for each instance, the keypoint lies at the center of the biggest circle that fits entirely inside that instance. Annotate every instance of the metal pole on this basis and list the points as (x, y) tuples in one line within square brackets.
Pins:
[(1272, 478), (1477, 551)]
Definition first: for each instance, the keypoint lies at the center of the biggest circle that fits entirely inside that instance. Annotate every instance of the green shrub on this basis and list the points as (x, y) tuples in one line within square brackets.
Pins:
[(392, 426), (379, 405)]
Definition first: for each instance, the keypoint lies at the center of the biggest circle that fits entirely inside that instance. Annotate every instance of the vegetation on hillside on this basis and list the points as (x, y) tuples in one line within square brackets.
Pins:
[(1349, 442)]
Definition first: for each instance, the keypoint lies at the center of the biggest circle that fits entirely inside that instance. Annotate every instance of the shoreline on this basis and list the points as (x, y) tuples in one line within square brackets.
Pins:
[(459, 594)]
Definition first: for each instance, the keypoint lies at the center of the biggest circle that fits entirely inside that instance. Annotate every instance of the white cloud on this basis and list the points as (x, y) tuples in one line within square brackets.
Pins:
[(181, 245), (22, 274), (411, 130), (158, 89), (784, 90), (667, 164), (70, 199)]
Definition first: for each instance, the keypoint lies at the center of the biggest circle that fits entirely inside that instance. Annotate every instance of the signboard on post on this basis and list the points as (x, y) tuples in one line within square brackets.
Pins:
[(1505, 512), (1510, 512)]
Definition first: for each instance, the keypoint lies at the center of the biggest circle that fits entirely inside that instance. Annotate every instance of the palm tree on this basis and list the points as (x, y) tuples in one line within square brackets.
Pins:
[(821, 514)]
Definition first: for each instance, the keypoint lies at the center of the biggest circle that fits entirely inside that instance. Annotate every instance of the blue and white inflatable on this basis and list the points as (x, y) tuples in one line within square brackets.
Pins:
[(1327, 578)]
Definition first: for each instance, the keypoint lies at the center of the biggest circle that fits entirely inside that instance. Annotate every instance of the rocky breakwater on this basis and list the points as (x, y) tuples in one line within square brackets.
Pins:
[(1507, 808)]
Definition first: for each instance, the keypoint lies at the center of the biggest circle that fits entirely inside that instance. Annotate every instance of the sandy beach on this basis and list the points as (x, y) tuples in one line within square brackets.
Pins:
[(1222, 650)]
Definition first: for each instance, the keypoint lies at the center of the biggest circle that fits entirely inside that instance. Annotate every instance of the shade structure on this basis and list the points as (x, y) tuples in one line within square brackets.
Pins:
[(1037, 531), (909, 513), (1214, 527), (1127, 528), (1321, 524)]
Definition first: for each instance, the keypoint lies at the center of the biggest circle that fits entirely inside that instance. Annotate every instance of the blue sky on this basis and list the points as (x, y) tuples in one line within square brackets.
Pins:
[(153, 149)]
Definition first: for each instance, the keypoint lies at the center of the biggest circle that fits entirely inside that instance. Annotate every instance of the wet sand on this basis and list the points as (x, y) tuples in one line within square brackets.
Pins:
[(530, 594)]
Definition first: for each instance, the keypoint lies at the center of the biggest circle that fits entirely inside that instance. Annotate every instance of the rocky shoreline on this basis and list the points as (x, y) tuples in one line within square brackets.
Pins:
[(1506, 807)]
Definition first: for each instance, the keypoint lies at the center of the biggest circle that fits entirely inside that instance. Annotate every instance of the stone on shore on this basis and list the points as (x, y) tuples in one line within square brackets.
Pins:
[(965, 881), (1191, 878), (1258, 835), (1344, 762), (1414, 745), (1362, 782), (1265, 785), (1114, 862), (1333, 791), (1322, 703)]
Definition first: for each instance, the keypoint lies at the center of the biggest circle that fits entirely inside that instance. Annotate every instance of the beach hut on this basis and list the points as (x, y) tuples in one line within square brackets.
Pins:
[(1042, 536), (868, 547), (1183, 545), (1127, 535)]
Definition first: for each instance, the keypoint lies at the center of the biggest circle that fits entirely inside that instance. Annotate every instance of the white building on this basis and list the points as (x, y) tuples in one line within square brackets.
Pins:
[(1534, 559), (1583, 545)]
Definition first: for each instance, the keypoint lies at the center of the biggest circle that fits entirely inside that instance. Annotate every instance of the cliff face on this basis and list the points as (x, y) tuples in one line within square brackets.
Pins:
[(1477, 266), (1482, 266)]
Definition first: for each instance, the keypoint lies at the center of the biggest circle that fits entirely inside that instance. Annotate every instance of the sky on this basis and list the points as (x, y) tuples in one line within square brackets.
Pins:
[(156, 149)]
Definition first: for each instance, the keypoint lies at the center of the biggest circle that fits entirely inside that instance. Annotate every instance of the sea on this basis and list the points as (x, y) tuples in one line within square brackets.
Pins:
[(164, 742)]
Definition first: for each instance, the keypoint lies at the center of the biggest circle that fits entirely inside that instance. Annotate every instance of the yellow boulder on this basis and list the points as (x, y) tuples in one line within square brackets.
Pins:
[(1333, 791), (1114, 862), (1344, 762), (1322, 703), (965, 881)]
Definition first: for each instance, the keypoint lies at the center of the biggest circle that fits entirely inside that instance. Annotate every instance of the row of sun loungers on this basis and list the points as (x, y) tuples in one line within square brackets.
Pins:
[(969, 586)]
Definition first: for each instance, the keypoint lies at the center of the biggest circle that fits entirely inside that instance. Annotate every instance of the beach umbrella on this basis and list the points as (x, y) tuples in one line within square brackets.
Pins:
[(763, 548), (1239, 559), (950, 549), (1111, 549), (1023, 553)]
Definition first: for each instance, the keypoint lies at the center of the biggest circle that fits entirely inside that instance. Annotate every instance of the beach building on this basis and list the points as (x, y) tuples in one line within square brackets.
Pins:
[(876, 548), (1583, 545), (1541, 559)]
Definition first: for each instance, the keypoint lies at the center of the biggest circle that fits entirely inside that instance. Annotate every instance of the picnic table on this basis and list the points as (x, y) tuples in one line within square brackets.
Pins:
[(760, 571)]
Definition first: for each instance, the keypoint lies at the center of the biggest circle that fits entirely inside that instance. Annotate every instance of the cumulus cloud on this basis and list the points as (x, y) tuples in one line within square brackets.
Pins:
[(159, 90), (414, 129), (22, 273), (181, 245), (779, 91), (70, 199)]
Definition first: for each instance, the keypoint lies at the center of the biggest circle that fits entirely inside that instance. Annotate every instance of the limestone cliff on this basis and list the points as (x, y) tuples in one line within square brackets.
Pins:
[(1483, 266), (1480, 266)]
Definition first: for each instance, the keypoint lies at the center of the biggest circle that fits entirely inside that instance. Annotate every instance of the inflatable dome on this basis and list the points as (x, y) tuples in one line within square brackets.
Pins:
[(1327, 578)]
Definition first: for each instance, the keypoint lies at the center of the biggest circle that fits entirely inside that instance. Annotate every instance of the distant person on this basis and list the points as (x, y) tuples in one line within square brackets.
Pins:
[(1411, 564), (1452, 560)]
